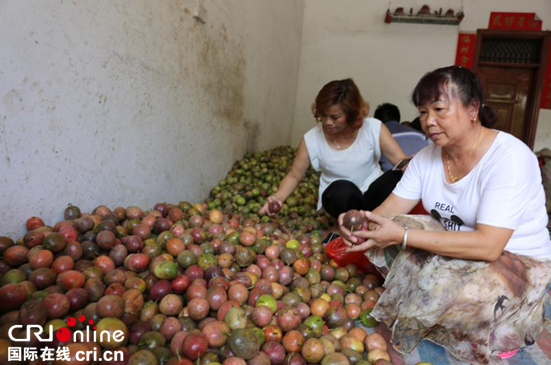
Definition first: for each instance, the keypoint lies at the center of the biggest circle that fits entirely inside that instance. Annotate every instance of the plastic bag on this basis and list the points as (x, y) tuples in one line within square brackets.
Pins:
[(336, 250)]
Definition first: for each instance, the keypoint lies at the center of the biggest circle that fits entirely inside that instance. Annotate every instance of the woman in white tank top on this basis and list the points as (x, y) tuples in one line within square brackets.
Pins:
[(346, 147)]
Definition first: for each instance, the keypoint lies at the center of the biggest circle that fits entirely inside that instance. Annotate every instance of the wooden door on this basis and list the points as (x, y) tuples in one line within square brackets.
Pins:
[(506, 91), (511, 67)]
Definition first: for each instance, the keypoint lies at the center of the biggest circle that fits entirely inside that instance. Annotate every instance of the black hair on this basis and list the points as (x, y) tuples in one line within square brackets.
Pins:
[(453, 81), (387, 112)]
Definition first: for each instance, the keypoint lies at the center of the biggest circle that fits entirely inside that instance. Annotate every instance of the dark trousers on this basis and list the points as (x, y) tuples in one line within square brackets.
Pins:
[(343, 195)]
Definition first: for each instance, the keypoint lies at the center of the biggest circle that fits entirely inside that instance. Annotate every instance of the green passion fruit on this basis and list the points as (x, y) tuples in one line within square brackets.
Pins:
[(112, 333), (243, 343)]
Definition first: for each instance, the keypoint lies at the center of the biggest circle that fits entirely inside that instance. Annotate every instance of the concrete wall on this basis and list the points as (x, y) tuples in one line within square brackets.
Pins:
[(134, 102), (387, 60)]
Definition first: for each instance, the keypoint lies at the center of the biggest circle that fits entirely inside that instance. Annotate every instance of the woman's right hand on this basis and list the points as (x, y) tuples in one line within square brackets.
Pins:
[(382, 232), (353, 237), (265, 210)]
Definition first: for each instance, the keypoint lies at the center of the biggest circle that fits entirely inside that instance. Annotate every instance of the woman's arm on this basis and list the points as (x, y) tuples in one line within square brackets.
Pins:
[(393, 205), (485, 243), (293, 177), (389, 147)]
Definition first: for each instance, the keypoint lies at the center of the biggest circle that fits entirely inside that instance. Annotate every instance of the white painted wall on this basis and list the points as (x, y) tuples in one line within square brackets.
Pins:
[(387, 60), (134, 102)]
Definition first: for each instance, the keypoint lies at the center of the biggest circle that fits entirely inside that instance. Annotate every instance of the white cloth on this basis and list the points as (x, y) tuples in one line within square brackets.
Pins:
[(504, 190), (359, 163)]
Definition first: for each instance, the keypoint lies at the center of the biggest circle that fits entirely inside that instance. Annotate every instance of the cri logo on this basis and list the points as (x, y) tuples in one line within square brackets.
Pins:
[(63, 334)]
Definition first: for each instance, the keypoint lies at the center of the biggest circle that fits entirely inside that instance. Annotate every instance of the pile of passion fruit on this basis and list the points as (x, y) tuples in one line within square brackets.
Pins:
[(184, 284), (257, 176)]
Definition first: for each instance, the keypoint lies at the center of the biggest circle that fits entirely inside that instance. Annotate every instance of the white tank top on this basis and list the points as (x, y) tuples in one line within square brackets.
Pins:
[(359, 163)]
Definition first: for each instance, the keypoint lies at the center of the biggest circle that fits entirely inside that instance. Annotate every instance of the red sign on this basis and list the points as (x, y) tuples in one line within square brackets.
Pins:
[(546, 92), (465, 50), (514, 21)]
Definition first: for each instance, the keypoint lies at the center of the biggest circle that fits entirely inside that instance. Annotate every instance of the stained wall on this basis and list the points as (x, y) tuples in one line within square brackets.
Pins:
[(134, 102)]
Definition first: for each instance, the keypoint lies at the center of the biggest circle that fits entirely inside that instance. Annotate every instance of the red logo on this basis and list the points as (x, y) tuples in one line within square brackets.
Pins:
[(64, 334)]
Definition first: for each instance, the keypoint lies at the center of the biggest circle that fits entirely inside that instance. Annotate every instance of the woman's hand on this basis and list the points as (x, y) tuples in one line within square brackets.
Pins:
[(265, 209), (386, 233), (291, 180)]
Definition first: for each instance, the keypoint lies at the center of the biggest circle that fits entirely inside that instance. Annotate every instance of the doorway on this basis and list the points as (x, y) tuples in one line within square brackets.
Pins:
[(511, 68)]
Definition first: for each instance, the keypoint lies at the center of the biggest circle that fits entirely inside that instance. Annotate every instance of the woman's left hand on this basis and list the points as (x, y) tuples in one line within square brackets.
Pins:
[(386, 234)]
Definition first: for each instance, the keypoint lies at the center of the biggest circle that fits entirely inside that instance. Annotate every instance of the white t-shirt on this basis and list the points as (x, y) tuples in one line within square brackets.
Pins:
[(503, 190), (359, 163)]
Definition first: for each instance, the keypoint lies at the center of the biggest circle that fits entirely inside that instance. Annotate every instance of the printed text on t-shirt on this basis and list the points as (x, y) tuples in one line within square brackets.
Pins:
[(444, 207), (453, 223)]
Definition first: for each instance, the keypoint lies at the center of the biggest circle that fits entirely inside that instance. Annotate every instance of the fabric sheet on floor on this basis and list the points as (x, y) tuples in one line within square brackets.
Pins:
[(537, 354)]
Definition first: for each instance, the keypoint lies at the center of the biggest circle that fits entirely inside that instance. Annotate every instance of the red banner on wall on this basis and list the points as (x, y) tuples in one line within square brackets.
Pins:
[(514, 21), (546, 92), (464, 55)]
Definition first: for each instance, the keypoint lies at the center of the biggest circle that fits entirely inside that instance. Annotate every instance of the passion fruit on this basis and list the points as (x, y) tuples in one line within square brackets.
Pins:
[(274, 207), (236, 318), (312, 350), (111, 306), (335, 359), (354, 220), (166, 270), (33, 312), (143, 357), (243, 343), (54, 242), (194, 346), (115, 333), (151, 340)]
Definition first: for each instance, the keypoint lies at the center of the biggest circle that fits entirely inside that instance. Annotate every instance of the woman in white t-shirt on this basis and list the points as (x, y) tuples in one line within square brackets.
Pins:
[(476, 286), (346, 146)]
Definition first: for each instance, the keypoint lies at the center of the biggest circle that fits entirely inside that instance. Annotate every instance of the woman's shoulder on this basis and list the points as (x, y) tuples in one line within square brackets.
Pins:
[(513, 155), (371, 123), (314, 133), (508, 146), (510, 141), (371, 127)]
